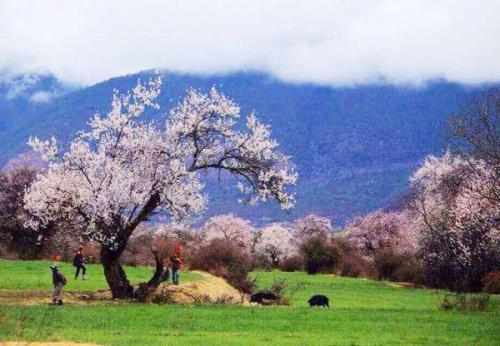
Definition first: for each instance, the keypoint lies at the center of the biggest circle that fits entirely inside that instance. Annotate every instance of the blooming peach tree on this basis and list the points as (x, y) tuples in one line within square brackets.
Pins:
[(121, 171), (380, 229), (458, 202), (275, 243), (312, 226)]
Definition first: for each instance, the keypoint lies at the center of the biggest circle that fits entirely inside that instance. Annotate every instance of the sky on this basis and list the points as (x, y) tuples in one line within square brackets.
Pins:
[(332, 42)]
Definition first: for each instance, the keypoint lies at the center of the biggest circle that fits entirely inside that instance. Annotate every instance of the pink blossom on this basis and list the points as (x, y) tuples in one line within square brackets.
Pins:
[(380, 229), (310, 226), (233, 229)]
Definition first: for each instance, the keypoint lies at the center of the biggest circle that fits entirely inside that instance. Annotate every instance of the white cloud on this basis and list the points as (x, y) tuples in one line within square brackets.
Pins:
[(17, 86), (42, 96), (328, 42)]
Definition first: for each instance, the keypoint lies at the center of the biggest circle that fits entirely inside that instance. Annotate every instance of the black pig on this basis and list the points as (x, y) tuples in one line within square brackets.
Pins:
[(319, 300), (258, 297)]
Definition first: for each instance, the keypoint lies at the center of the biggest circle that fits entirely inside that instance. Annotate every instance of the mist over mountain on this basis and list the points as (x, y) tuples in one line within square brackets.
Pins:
[(353, 147)]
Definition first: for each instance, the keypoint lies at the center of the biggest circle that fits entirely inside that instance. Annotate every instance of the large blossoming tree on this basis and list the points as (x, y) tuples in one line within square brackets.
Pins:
[(275, 243), (394, 230), (311, 226), (121, 171), (459, 206)]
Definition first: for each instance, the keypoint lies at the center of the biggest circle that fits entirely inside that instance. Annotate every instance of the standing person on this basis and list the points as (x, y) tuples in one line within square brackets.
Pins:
[(175, 265), (79, 263), (59, 281)]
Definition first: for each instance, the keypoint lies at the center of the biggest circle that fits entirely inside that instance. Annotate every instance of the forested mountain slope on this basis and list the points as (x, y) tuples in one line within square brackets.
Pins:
[(354, 147)]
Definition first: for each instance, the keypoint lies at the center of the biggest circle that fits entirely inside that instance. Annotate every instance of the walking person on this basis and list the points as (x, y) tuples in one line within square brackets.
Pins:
[(79, 263), (59, 281), (175, 265)]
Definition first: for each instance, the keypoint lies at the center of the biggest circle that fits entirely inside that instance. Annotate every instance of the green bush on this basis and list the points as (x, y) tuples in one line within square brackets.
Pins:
[(320, 255), (292, 264)]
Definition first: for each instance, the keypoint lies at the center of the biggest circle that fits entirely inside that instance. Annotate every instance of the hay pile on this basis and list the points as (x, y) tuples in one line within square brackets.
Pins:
[(208, 289)]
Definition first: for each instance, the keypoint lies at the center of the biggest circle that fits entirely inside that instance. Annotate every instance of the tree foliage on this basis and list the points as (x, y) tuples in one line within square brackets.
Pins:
[(18, 238), (231, 229), (457, 200), (312, 225), (380, 229)]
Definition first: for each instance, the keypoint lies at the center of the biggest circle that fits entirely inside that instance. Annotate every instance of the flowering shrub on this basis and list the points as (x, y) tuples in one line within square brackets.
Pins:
[(225, 260), (380, 229), (320, 255)]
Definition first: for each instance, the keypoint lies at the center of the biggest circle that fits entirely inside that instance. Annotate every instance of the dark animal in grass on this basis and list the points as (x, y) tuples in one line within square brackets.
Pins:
[(319, 300), (263, 297)]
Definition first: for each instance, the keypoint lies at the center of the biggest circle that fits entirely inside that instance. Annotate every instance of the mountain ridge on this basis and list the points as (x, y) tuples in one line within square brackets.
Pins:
[(354, 147)]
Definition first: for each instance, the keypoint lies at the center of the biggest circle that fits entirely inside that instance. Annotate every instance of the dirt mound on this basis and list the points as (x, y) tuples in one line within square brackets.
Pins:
[(208, 289), (37, 297)]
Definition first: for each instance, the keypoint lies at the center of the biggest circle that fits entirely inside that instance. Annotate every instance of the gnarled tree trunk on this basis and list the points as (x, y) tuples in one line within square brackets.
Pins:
[(113, 271), (115, 275), (117, 278), (145, 289)]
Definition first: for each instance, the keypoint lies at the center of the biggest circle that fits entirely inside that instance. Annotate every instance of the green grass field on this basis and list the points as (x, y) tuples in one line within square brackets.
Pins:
[(17, 275), (363, 312)]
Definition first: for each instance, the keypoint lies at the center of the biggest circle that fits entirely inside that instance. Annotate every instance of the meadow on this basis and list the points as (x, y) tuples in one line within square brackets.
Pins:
[(363, 312), (23, 275)]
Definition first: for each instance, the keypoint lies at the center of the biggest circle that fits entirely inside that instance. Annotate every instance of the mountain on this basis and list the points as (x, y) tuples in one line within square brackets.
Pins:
[(354, 147), (22, 97)]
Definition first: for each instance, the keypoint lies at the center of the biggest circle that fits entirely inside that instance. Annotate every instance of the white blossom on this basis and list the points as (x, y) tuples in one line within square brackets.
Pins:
[(275, 243), (311, 226), (458, 198), (233, 229), (395, 230)]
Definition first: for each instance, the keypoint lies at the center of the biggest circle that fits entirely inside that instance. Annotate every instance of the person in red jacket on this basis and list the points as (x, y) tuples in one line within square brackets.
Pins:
[(175, 265)]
